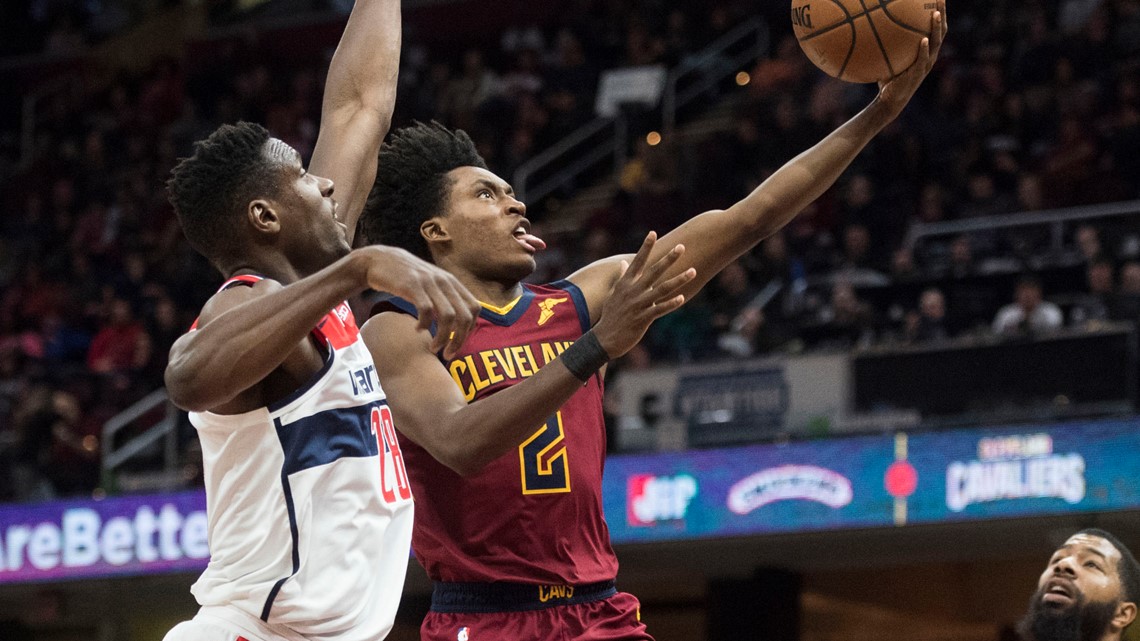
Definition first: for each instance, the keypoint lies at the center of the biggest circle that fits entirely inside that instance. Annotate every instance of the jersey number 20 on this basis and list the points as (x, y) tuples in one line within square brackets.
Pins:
[(393, 474), (543, 459)]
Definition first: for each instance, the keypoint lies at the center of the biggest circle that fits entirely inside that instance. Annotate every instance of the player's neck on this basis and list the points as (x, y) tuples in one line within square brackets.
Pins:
[(494, 293), (274, 268)]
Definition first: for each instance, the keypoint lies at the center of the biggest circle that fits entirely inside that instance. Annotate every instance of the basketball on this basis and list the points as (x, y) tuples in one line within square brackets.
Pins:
[(862, 40)]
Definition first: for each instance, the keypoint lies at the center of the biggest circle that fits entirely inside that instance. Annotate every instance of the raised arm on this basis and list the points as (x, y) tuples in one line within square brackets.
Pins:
[(360, 93), (716, 238), (246, 333), (430, 409)]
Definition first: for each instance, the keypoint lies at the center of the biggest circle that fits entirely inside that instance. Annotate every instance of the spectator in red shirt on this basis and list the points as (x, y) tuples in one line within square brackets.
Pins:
[(122, 344)]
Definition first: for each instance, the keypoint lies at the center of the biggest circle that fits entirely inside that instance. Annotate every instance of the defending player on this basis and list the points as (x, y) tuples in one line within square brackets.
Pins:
[(1089, 591), (310, 512), (504, 438)]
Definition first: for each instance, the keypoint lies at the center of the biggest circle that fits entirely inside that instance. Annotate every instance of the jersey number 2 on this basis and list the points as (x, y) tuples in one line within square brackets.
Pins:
[(543, 459), (393, 474)]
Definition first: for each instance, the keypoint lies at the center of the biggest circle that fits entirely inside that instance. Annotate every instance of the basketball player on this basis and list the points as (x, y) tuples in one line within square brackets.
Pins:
[(504, 438), (310, 511), (1088, 592)]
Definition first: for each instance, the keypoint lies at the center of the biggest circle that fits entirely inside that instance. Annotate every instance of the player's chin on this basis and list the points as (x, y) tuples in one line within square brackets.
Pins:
[(341, 248), (522, 266)]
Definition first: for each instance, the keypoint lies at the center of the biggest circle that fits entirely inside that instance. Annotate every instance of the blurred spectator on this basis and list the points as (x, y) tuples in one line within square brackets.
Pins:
[(1099, 302), (1127, 307), (122, 345), (1088, 243), (847, 321), (928, 323), (1029, 313)]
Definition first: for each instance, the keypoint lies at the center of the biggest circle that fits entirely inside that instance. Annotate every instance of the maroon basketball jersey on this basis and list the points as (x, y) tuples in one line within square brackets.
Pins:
[(535, 514)]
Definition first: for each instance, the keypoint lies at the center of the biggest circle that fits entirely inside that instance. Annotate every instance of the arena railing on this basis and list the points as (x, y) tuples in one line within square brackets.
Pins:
[(705, 70), (153, 433), (607, 137), (1054, 219)]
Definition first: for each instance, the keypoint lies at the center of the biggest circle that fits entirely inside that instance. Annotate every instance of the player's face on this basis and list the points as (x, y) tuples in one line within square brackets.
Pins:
[(310, 228), (1084, 566), (487, 227), (1079, 595)]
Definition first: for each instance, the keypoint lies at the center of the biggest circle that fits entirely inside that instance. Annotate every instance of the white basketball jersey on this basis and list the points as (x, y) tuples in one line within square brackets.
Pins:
[(310, 511)]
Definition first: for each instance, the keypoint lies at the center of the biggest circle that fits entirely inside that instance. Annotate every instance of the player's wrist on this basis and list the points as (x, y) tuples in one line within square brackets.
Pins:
[(882, 111), (585, 357)]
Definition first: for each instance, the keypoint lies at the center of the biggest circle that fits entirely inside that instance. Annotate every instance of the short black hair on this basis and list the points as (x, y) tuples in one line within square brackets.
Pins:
[(1128, 568), (411, 183), (210, 188), (1029, 280)]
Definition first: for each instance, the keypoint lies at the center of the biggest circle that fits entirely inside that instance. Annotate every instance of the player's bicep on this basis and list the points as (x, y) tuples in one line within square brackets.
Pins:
[(201, 366), (184, 349), (346, 153), (420, 391), (712, 240)]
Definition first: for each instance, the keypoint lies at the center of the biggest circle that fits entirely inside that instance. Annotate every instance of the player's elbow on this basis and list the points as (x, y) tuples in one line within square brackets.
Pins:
[(464, 464), (181, 391), (465, 459), (186, 390)]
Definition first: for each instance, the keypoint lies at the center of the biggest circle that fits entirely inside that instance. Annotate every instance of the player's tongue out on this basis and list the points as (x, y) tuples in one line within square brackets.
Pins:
[(528, 240)]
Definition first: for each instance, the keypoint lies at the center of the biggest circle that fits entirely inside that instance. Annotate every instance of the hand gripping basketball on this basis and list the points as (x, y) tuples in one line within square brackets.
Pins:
[(897, 91)]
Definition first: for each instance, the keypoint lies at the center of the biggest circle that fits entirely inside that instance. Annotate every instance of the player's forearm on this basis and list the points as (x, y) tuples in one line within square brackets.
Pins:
[(480, 432), (362, 74), (241, 346), (497, 424), (806, 177)]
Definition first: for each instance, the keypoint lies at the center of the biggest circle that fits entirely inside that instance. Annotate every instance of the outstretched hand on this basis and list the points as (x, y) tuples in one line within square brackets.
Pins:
[(438, 296), (640, 297), (898, 91)]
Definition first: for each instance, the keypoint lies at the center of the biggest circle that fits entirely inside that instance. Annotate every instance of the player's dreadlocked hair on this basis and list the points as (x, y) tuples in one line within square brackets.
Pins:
[(1128, 568), (411, 183), (210, 189)]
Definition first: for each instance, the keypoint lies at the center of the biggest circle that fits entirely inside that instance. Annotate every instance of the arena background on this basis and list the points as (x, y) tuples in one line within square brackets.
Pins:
[(837, 440)]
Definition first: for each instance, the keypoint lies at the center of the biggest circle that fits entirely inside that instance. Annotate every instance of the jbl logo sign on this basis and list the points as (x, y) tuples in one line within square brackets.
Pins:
[(801, 16)]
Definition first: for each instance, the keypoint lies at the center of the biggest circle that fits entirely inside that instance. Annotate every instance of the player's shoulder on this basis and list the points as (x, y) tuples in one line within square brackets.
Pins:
[(234, 292)]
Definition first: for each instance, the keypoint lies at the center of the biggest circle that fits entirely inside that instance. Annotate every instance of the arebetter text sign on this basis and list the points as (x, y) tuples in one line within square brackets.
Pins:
[(129, 535)]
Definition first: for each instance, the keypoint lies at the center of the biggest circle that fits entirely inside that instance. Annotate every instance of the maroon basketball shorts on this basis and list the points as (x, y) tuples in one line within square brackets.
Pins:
[(518, 612)]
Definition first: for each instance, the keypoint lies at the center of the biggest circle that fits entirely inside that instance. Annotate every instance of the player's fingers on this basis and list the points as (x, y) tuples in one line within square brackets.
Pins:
[(937, 30), (465, 318), (642, 257), (669, 288), (425, 310), (654, 272), (924, 61), (670, 305), (444, 317)]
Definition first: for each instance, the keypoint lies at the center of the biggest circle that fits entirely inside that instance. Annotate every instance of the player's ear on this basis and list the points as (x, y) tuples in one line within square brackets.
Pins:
[(262, 216), (1125, 615), (434, 230)]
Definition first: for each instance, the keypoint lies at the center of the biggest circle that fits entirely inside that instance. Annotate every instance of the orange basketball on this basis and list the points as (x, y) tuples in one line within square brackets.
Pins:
[(862, 40)]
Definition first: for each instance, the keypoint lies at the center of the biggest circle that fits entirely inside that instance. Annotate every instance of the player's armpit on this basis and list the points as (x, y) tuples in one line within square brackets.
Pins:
[(596, 281)]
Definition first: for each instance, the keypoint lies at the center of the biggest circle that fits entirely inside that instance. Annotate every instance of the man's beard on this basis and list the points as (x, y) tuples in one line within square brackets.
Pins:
[(1078, 621)]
